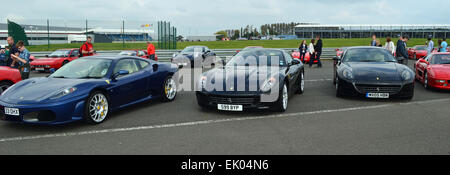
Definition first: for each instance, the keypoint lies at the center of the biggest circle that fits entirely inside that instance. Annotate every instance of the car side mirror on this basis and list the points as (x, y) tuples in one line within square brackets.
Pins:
[(155, 67), (295, 62), (424, 61), (121, 72), (336, 58), (52, 70)]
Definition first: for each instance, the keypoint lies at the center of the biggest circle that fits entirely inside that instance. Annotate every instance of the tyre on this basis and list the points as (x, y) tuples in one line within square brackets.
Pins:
[(425, 81), (4, 85), (301, 89), (338, 88), (169, 90), (281, 104), (96, 108)]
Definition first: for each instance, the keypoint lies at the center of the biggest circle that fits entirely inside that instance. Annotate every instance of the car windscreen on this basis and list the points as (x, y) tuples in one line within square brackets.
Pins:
[(84, 68), (368, 55), (258, 58), (128, 53), (421, 48), (60, 53), (192, 50), (440, 59)]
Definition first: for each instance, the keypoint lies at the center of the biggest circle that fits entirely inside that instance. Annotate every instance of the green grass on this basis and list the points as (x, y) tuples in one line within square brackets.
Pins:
[(332, 43)]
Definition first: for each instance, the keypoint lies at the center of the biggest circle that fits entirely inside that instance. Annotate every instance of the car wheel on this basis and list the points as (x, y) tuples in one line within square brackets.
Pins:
[(4, 85), (283, 99), (96, 108), (169, 90), (338, 88), (301, 89), (425, 81)]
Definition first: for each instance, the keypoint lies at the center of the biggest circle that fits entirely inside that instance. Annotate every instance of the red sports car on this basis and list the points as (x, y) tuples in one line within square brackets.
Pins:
[(138, 53), (296, 54), (8, 77), (417, 52), (55, 60), (434, 71)]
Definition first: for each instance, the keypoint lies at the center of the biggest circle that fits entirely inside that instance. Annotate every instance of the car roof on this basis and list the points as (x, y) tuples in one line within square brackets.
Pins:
[(364, 47), (441, 53), (118, 57)]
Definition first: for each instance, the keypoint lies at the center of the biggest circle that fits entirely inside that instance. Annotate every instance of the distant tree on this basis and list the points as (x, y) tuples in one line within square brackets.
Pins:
[(180, 38), (236, 35), (221, 34)]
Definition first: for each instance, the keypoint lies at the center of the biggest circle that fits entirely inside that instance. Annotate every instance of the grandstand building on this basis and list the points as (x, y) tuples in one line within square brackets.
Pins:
[(366, 31), (39, 34)]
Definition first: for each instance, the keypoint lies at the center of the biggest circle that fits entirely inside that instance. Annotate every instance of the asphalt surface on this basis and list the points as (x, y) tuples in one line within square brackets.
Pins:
[(316, 122)]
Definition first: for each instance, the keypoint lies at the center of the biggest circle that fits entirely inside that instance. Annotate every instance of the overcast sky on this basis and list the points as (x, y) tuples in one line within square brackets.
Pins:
[(205, 17)]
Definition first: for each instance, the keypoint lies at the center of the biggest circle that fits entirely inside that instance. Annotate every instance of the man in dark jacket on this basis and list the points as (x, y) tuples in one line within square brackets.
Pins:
[(318, 50), (402, 53)]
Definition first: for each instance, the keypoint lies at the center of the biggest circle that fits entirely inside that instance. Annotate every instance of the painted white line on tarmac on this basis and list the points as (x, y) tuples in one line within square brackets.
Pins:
[(68, 134)]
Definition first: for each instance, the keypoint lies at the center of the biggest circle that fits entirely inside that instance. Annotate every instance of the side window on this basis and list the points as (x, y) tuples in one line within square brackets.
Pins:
[(126, 64), (143, 64), (288, 58), (74, 53)]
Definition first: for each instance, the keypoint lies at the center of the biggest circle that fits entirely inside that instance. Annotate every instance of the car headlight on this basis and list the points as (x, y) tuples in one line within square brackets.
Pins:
[(174, 55), (268, 84), (64, 92), (348, 74), (202, 81), (406, 75)]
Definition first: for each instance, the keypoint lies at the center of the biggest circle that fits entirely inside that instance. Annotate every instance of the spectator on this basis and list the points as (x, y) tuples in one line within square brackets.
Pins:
[(312, 52), (303, 49), (379, 43), (439, 45), (443, 45), (151, 50), (374, 40), (318, 50), (402, 54), (430, 45), (87, 49), (12, 51), (3, 56), (23, 59), (390, 45)]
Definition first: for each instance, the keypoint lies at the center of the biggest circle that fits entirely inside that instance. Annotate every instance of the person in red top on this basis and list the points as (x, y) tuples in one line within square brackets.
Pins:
[(88, 49), (151, 50)]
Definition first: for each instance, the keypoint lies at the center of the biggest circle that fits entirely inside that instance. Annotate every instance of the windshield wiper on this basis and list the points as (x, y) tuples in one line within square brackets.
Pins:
[(89, 77), (58, 77)]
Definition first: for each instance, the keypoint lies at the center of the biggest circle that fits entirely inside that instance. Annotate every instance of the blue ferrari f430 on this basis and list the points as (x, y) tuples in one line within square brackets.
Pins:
[(88, 89)]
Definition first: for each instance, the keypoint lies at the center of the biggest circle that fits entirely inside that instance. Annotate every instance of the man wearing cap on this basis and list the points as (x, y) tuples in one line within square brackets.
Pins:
[(430, 45)]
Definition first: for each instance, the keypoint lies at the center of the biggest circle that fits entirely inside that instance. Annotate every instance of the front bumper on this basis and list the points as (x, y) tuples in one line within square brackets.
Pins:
[(247, 101), (437, 85), (360, 89), (46, 114)]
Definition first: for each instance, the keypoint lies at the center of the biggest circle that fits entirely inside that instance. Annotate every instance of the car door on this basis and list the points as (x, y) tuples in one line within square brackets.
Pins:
[(422, 67), (128, 88), (293, 72)]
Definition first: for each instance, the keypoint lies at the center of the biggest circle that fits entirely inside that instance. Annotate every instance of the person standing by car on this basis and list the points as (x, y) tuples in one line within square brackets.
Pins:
[(12, 51), (443, 45), (23, 59), (303, 49), (390, 45), (151, 50), (3, 56), (430, 45), (312, 52), (374, 40), (87, 49), (318, 50), (402, 54)]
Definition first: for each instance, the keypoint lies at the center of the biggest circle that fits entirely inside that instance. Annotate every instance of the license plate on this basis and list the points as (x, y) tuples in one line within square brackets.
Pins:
[(377, 95), (223, 107), (12, 111), (40, 69), (182, 64)]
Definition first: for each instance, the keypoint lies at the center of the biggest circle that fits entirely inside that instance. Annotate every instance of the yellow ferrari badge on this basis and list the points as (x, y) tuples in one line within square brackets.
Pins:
[(107, 81)]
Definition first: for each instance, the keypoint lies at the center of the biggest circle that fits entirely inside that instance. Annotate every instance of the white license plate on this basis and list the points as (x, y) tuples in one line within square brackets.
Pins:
[(223, 107), (40, 69), (182, 64), (12, 111), (377, 95)]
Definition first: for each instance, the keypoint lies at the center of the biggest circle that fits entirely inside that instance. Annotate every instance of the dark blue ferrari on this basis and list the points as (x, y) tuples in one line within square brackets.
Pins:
[(88, 89)]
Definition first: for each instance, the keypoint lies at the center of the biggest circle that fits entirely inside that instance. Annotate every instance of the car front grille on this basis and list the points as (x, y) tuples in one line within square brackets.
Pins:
[(233, 100), (391, 89)]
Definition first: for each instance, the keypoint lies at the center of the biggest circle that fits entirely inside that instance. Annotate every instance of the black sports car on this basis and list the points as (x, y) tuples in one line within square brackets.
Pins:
[(194, 56), (372, 72), (257, 78)]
